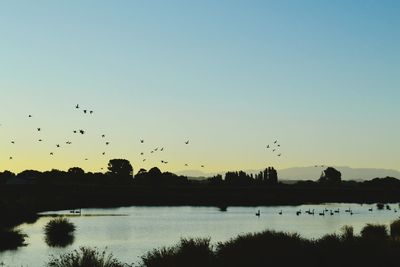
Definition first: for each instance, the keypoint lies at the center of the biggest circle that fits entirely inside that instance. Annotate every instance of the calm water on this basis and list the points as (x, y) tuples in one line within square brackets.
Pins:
[(135, 230)]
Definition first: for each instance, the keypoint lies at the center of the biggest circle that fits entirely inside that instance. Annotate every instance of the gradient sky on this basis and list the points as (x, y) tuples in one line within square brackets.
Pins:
[(322, 77)]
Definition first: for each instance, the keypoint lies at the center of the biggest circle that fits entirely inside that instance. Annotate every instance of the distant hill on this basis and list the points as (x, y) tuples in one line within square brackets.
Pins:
[(311, 173)]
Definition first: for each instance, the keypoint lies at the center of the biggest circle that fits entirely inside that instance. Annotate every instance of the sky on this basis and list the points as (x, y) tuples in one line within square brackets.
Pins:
[(320, 77)]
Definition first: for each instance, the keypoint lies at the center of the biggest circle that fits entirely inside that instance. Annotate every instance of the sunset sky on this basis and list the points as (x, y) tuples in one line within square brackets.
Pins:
[(321, 77)]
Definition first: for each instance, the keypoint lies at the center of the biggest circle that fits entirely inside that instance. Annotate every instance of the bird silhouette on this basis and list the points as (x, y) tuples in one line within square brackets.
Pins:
[(29, 116), (103, 135), (75, 131), (279, 145), (186, 164), (141, 153), (275, 141), (162, 149), (85, 111), (152, 151), (40, 140), (141, 141), (267, 146), (162, 161), (279, 155), (12, 142), (165, 162), (86, 159), (144, 159), (51, 153), (38, 129), (91, 112), (187, 142), (57, 145), (11, 157), (156, 149), (104, 153), (107, 143), (202, 166), (77, 106), (82, 131), (273, 150)]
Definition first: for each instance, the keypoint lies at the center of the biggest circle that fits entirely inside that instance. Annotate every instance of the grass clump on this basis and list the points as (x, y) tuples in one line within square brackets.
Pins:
[(59, 232), (85, 257), (189, 252), (395, 229), (11, 239)]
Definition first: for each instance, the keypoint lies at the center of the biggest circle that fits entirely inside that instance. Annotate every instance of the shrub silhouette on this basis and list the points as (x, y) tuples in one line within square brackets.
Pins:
[(374, 232), (189, 252), (11, 239), (59, 232), (395, 229), (85, 257)]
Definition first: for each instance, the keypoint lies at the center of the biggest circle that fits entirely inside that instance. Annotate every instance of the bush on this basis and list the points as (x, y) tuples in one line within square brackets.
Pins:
[(395, 229), (374, 232), (59, 232), (85, 257), (11, 239), (380, 206), (189, 252)]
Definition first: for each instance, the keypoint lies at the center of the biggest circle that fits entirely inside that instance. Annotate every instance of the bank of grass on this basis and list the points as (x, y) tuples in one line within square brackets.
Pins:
[(11, 239), (59, 232), (86, 257)]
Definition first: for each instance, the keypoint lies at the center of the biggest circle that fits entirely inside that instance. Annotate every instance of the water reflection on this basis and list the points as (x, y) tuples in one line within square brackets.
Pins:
[(130, 232)]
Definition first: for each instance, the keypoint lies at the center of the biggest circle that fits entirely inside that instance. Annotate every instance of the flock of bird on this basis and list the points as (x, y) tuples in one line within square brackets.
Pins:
[(326, 211), (80, 132), (275, 147)]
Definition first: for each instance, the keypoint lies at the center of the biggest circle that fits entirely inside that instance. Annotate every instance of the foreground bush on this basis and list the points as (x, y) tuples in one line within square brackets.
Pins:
[(395, 229), (375, 232), (11, 239), (59, 232), (85, 257), (189, 252)]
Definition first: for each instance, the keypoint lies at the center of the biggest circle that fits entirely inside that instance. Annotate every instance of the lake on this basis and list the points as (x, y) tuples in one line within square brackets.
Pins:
[(129, 232)]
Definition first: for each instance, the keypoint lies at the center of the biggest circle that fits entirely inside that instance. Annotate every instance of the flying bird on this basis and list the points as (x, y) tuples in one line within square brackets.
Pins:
[(142, 141), (187, 142), (82, 131), (275, 141), (38, 129), (91, 112), (156, 149), (142, 153), (104, 153), (77, 106), (85, 111), (144, 159), (186, 165), (86, 159), (11, 157), (12, 142), (57, 145), (40, 140), (279, 155), (202, 166), (267, 146), (103, 135), (29, 116), (107, 143), (273, 150), (75, 131), (51, 153), (162, 149)]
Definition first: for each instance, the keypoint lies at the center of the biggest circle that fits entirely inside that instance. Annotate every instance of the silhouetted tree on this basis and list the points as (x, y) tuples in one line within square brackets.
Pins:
[(330, 176), (5, 176), (120, 167), (76, 171)]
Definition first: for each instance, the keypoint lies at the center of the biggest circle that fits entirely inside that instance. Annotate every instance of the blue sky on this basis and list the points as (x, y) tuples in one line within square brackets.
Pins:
[(322, 77)]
